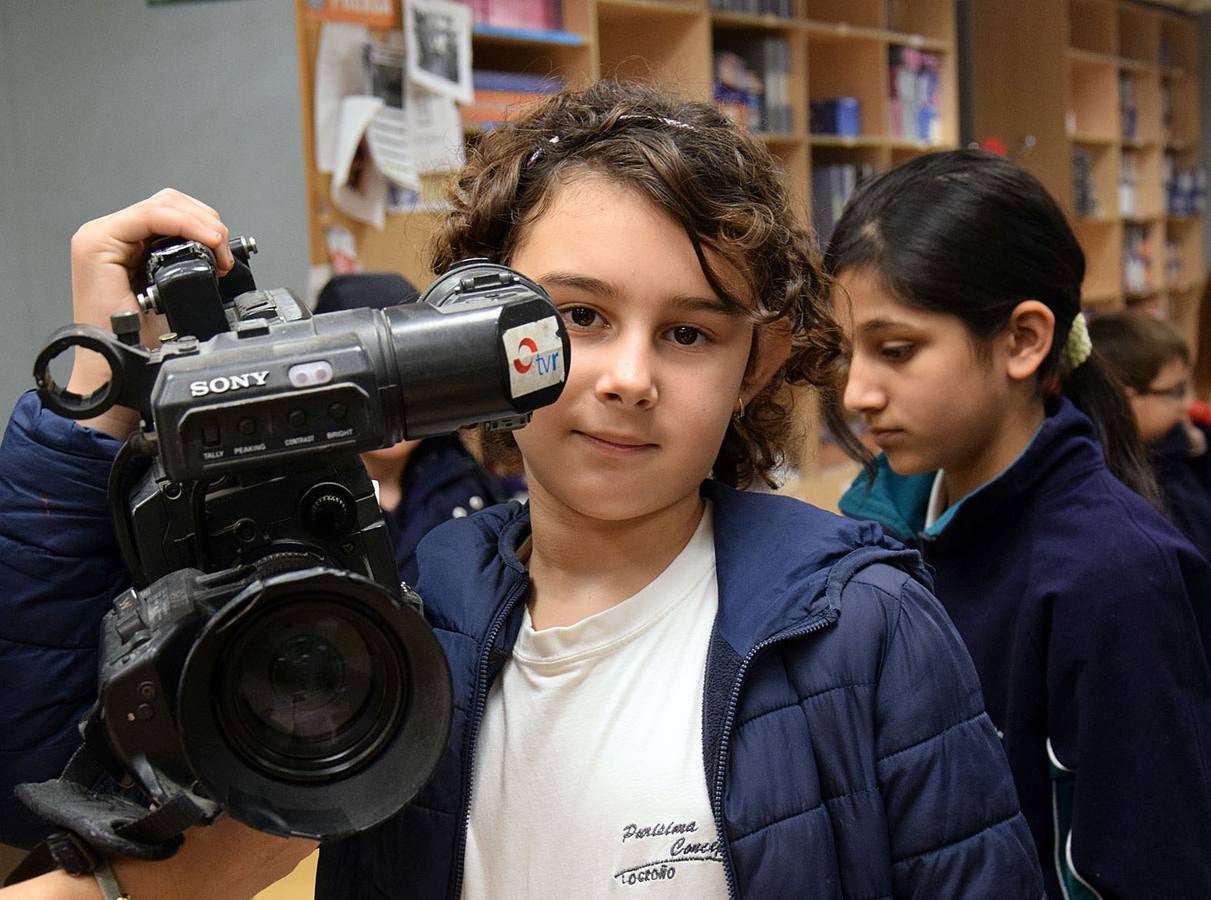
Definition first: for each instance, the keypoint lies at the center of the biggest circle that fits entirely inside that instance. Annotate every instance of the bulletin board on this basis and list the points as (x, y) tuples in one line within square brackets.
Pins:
[(403, 243)]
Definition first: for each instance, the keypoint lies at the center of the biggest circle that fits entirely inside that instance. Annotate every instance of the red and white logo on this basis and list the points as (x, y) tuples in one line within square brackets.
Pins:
[(526, 351), (536, 351)]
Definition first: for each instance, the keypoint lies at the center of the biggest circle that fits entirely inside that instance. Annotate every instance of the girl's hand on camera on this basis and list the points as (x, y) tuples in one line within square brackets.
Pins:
[(107, 256)]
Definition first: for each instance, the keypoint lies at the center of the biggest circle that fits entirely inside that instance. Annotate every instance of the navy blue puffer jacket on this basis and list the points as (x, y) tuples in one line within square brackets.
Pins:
[(844, 739), (845, 743)]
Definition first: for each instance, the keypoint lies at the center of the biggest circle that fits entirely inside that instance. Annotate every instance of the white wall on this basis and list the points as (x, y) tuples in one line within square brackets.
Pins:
[(103, 102)]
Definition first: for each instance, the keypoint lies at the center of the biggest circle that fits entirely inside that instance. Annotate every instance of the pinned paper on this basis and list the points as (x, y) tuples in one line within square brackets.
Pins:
[(439, 47)]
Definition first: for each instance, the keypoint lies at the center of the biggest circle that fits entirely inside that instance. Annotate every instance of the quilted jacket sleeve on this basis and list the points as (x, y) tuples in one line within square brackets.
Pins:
[(952, 810), (59, 571)]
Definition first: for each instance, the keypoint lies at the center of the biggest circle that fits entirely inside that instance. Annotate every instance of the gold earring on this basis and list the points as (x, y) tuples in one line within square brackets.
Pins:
[(739, 413)]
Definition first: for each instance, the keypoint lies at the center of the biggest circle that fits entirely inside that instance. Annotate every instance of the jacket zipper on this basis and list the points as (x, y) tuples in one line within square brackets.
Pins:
[(721, 769), (481, 700)]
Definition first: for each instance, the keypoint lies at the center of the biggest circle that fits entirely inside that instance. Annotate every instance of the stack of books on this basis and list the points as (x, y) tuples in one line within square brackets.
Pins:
[(541, 15), (832, 186), (500, 95), (752, 82), (915, 94)]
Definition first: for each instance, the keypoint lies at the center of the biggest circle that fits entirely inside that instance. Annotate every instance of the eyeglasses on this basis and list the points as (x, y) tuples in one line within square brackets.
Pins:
[(1177, 392)]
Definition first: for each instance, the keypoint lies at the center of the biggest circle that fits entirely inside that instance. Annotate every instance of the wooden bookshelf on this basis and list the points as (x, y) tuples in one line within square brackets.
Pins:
[(836, 48), (1111, 86)]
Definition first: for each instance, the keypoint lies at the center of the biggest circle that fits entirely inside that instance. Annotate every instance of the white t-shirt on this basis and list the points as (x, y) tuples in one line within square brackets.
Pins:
[(588, 772)]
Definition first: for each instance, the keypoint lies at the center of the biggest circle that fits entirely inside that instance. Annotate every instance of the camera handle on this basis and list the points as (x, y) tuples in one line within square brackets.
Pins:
[(132, 369)]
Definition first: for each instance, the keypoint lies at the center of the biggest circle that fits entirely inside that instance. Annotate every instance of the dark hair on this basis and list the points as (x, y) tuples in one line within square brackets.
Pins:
[(720, 183), (1135, 346), (971, 234)]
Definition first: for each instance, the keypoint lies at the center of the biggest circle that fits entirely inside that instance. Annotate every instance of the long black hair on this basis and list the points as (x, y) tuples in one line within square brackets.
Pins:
[(972, 235)]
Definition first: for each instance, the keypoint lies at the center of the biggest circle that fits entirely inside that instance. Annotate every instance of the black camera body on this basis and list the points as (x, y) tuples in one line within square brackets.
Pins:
[(267, 657)]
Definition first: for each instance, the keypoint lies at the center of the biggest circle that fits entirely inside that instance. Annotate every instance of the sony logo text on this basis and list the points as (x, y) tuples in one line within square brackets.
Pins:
[(224, 383)]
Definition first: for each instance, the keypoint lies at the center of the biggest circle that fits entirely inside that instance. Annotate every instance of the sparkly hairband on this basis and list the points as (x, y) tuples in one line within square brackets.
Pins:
[(1078, 346), (626, 117)]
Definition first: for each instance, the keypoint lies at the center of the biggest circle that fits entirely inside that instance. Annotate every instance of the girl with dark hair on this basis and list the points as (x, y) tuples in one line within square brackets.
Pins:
[(663, 684), (1010, 458)]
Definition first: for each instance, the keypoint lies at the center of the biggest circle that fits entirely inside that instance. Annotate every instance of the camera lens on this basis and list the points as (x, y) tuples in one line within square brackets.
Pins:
[(314, 703), (309, 688)]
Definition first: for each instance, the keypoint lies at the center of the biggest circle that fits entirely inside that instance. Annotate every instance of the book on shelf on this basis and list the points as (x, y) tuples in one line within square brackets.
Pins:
[(1084, 195), (499, 96), (1128, 180), (1137, 260), (832, 186), (540, 15), (782, 9), (1128, 110), (1173, 262), (752, 82), (1185, 187), (521, 82), (836, 115), (914, 91)]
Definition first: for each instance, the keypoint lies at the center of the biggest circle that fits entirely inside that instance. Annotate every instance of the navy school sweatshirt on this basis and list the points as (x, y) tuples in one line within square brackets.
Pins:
[(1088, 616)]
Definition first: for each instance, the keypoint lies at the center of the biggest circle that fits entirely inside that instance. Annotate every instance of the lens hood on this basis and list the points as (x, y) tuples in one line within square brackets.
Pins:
[(314, 704)]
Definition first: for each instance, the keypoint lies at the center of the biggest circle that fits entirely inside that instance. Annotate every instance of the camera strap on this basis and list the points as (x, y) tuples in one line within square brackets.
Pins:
[(97, 825)]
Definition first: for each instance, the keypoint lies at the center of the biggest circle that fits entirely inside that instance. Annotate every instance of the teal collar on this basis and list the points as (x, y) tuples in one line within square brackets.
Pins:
[(900, 502)]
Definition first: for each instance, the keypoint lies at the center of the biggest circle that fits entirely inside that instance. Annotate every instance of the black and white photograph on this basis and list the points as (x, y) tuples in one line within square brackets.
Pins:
[(439, 47), (383, 70)]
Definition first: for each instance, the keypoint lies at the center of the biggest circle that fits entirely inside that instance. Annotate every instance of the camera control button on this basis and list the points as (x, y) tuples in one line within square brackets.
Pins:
[(247, 425), (210, 433), (338, 411), (297, 418), (251, 328), (310, 373)]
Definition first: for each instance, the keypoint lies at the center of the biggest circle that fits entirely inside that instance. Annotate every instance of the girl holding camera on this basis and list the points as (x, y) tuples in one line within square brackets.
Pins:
[(663, 683)]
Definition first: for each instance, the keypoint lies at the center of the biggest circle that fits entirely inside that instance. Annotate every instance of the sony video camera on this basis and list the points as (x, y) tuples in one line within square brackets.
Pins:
[(267, 660)]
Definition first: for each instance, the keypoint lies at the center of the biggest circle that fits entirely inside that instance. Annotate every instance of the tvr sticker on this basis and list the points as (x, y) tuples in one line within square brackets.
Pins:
[(536, 356)]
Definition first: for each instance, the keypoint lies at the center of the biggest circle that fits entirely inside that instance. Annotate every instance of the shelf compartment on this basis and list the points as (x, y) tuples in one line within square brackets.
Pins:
[(772, 57), (1184, 308), (1139, 106), (660, 46), (1184, 249), (850, 68), (932, 19), (1103, 246), (1093, 99), (1093, 26), (1179, 98), (520, 50), (1143, 266), (1095, 180), (1139, 34), (1179, 43), (860, 13)]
